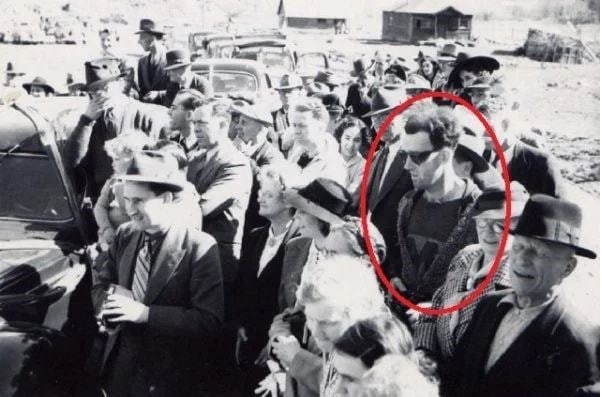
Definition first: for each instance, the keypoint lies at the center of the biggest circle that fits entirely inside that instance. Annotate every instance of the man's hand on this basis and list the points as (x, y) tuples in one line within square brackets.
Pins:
[(95, 108), (426, 362), (241, 337), (279, 327), (151, 96), (123, 309), (286, 348), (414, 315)]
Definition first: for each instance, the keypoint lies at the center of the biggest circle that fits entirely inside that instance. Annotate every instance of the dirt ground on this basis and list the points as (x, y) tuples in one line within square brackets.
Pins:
[(559, 102)]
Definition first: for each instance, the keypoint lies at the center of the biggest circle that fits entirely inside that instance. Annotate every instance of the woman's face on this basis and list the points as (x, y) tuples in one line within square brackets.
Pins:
[(351, 140), (489, 233), (467, 78), (427, 68), (327, 323), (350, 370), (270, 200), (308, 224)]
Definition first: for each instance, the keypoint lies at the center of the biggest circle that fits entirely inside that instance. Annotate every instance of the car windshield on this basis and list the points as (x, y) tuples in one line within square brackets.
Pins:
[(227, 81), (276, 59), (311, 62), (31, 188)]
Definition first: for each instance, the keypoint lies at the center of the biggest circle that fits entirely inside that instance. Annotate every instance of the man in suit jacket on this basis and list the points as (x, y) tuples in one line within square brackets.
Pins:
[(530, 341), (223, 178), (168, 300), (108, 114), (388, 180), (252, 130), (179, 70), (152, 77)]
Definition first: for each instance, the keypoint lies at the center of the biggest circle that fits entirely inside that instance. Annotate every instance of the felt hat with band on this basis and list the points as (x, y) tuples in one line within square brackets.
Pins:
[(39, 82), (102, 71), (289, 81), (149, 26), (155, 167), (323, 198), (386, 98), (552, 220), (177, 59), (491, 203), (472, 148)]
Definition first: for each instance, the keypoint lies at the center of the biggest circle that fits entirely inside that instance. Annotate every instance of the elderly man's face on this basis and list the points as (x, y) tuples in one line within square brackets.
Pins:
[(537, 267)]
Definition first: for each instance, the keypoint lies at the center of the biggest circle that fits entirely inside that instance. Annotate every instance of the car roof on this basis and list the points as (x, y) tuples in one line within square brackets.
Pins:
[(250, 43), (229, 64)]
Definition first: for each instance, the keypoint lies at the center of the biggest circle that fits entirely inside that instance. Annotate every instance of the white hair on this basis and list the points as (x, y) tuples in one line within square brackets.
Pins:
[(346, 282), (397, 375)]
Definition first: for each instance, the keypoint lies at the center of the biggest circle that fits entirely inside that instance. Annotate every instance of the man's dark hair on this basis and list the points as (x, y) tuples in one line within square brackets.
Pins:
[(192, 98), (440, 123)]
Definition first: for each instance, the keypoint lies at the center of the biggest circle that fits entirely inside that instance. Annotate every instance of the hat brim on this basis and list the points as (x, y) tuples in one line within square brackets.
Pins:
[(478, 163), (294, 199), (177, 186), (242, 111), (579, 251), (177, 66), (489, 64), (150, 31), (500, 213), (46, 87), (101, 82), (76, 86)]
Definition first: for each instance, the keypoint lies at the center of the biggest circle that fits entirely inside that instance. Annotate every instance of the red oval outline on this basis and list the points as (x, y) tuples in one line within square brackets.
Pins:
[(363, 213)]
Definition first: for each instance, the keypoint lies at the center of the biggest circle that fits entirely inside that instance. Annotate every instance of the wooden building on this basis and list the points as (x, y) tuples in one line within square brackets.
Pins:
[(416, 20), (313, 14)]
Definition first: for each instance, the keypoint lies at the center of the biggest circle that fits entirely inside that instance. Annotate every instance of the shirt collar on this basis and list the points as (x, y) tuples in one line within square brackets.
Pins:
[(511, 300), (354, 160)]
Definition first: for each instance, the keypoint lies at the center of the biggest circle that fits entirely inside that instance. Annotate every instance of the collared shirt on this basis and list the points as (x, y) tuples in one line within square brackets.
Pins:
[(512, 325), (508, 145), (155, 240), (355, 167), (272, 245), (393, 150)]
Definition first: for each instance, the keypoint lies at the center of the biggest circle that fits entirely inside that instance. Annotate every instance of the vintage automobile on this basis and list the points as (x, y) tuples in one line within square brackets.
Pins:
[(274, 54), (242, 77), (46, 318), (196, 44)]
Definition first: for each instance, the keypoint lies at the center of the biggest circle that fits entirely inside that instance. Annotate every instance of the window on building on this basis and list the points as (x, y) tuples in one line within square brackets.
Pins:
[(423, 23), (464, 22)]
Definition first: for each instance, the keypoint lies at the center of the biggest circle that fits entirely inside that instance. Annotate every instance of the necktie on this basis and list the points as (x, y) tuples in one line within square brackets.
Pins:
[(379, 169), (142, 271)]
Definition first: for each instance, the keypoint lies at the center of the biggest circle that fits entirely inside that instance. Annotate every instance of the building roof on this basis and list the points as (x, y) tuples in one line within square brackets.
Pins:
[(433, 6), (314, 9)]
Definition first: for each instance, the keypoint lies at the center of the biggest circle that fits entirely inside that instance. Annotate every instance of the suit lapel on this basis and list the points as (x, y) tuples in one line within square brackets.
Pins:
[(167, 261), (393, 174), (128, 260), (144, 65)]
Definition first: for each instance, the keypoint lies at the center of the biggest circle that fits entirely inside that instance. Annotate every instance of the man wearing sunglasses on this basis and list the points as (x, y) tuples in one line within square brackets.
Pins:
[(434, 219)]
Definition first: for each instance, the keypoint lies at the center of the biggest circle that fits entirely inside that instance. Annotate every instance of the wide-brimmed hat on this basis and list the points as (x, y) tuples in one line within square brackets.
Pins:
[(40, 82), (327, 77), (491, 203), (10, 70), (479, 62), (323, 198), (152, 166), (149, 26), (472, 148), (289, 81), (417, 83), (332, 102), (315, 88), (448, 53), (102, 71), (256, 112), (397, 70), (177, 59), (552, 220), (361, 66), (386, 98)]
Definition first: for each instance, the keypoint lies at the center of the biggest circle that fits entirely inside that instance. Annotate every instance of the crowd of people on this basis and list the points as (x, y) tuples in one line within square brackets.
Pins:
[(231, 258)]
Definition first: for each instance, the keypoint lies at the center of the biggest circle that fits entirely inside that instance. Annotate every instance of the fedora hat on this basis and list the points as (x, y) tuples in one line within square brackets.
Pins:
[(552, 220), (315, 88), (386, 98), (323, 198), (177, 59), (152, 166), (448, 53), (10, 70), (149, 26), (491, 203), (479, 62), (332, 102), (361, 66), (327, 77), (472, 147), (256, 112), (289, 81), (397, 70), (102, 71), (416, 84), (40, 82)]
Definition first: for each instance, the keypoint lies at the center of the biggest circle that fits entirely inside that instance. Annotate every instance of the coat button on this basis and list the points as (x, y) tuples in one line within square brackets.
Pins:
[(151, 389)]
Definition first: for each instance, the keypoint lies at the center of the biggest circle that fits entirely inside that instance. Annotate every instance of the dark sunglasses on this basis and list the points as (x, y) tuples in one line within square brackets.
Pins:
[(419, 157)]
